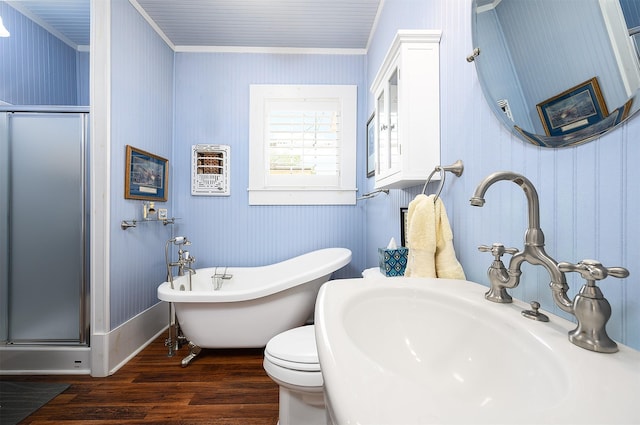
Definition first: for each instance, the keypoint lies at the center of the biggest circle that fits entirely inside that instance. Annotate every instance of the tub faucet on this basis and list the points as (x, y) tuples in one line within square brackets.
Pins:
[(184, 262), (184, 258), (589, 307)]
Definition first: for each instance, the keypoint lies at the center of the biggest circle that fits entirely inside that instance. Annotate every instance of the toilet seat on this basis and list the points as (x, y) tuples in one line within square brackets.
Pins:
[(294, 349), (294, 366), (291, 358)]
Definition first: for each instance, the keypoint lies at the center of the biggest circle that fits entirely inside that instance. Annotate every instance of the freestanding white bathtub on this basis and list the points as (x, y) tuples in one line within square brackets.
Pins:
[(254, 304)]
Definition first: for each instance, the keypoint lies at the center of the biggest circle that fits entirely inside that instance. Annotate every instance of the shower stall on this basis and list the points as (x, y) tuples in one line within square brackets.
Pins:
[(44, 288)]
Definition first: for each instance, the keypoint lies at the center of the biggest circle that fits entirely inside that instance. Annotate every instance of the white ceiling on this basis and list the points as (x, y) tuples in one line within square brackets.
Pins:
[(317, 24)]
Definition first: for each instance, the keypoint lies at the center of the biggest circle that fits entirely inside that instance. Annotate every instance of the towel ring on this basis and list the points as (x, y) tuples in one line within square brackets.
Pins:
[(456, 168), (443, 176)]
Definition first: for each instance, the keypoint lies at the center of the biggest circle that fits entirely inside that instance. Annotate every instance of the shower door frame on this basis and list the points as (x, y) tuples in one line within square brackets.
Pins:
[(78, 359)]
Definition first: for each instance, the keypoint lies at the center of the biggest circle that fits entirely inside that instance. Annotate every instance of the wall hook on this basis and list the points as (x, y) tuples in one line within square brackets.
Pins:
[(472, 56)]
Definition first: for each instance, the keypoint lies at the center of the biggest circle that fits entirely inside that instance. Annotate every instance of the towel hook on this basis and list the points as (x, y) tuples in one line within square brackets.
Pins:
[(443, 176), (456, 168)]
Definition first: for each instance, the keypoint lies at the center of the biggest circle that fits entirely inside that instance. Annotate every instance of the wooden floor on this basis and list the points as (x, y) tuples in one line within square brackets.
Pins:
[(226, 387)]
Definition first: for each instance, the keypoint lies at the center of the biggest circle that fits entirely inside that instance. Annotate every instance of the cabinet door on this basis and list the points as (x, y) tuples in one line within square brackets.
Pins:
[(388, 143), (394, 141), (382, 134)]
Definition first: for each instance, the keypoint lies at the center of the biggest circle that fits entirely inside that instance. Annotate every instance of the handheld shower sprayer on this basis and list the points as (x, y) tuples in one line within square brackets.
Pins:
[(179, 240)]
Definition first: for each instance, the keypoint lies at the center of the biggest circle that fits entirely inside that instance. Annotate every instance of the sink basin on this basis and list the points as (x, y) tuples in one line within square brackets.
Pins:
[(418, 351)]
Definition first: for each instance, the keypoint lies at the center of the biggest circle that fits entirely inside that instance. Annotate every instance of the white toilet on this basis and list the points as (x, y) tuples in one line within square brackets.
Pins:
[(291, 360)]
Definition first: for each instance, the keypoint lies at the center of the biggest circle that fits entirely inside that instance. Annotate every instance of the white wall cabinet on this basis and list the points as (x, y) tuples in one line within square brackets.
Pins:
[(407, 110)]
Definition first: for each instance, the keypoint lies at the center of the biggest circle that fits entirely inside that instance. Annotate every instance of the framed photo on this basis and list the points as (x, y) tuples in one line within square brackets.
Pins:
[(146, 176), (404, 215), (573, 109), (371, 146)]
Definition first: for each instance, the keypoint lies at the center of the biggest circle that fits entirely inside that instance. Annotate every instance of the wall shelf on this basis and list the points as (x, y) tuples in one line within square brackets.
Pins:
[(125, 224)]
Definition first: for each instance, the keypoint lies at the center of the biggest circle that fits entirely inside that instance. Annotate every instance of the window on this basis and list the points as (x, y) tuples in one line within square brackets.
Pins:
[(302, 145)]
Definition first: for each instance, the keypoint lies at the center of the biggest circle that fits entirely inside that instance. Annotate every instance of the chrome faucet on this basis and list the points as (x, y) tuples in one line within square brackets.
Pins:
[(184, 262), (184, 258), (589, 307)]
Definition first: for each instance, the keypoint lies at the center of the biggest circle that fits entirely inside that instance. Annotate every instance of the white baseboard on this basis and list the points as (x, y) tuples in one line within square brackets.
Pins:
[(113, 350)]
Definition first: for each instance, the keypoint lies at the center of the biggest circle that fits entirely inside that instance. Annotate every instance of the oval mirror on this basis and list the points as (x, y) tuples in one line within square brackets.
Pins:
[(558, 73)]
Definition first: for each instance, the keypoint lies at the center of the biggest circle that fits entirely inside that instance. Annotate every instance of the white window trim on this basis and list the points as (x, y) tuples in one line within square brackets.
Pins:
[(260, 193)]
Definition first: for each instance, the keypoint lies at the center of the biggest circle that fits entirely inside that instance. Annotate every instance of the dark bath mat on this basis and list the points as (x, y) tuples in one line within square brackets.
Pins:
[(20, 399)]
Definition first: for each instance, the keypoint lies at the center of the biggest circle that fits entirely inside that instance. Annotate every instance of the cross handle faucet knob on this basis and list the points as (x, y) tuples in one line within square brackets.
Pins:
[(497, 250), (592, 270)]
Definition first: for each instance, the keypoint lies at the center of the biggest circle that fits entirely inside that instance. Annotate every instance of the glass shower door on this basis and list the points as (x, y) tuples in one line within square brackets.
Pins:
[(46, 231)]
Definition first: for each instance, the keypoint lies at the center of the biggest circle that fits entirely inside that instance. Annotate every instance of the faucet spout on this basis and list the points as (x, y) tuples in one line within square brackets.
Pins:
[(477, 200), (533, 252)]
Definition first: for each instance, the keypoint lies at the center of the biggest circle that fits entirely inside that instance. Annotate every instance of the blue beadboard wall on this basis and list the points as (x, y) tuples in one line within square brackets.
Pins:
[(141, 116), (83, 85), (631, 10), (212, 106), (37, 68), (588, 195)]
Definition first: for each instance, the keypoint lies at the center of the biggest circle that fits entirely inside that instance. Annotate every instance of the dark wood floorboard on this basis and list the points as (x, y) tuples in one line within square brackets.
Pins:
[(221, 387)]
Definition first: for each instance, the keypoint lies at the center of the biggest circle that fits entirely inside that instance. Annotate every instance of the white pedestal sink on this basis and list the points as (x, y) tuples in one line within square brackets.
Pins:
[(422, 351)]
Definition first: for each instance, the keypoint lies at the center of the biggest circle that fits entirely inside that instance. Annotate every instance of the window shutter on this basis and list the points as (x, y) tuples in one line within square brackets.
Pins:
[(303, 142)]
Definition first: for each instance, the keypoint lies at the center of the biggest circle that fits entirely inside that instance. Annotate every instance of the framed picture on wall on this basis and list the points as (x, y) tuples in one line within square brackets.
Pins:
[(371, 147), (146, 176), (573, 109), (404, 212)]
